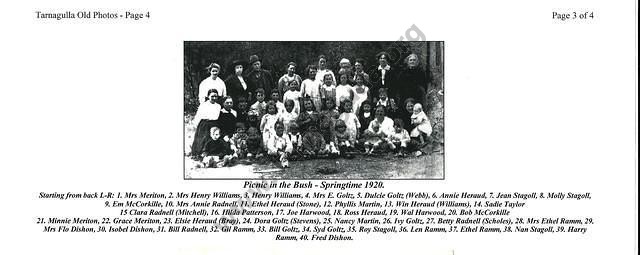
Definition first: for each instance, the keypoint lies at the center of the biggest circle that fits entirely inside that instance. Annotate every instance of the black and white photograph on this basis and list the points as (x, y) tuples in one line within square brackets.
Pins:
[(338, 127), (314, 109)]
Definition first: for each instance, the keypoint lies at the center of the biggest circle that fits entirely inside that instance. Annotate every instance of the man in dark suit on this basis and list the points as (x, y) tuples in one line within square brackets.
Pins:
[(258, 77)]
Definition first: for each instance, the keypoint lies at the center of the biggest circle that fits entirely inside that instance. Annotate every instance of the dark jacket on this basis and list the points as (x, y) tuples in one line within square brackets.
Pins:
[(260, 79), (217, 148), (235, 89), (389, 80), (410, 83), (364, 122), (227, 123)]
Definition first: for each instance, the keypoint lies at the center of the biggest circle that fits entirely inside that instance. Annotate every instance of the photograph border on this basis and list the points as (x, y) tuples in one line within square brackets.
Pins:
[(444, 110)]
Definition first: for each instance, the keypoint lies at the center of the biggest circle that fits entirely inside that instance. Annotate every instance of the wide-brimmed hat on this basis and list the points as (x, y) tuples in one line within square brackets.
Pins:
[(385, 54), (253, 59), (237, 62)]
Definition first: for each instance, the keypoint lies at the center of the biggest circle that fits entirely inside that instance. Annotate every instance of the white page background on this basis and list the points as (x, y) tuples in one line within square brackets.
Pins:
[(532, 104)]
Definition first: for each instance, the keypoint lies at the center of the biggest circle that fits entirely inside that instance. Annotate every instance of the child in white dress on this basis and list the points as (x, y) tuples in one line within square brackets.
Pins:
[(293, 94), (267, 125), (421, 122), (290, 116), (351, 121), (360, 93)]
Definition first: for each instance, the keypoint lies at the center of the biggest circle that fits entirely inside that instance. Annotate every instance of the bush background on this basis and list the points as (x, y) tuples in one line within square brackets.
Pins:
[(275, 55)]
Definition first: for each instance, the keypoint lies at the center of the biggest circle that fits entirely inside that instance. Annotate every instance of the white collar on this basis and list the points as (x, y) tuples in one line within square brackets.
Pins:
[(232, 111), (386, 68)]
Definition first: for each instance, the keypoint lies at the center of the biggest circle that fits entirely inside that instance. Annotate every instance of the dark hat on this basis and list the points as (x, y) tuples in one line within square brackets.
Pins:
[(253, 59), (385, 54), (235, 63), (238, 62)]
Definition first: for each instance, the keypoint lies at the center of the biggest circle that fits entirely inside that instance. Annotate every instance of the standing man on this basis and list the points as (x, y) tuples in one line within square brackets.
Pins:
[(259, 78)]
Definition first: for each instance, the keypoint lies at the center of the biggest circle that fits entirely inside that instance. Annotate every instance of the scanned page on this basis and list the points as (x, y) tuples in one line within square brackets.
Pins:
[(331, 127)]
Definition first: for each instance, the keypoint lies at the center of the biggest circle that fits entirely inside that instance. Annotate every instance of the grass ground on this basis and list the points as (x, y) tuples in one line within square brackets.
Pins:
[(360, 167)]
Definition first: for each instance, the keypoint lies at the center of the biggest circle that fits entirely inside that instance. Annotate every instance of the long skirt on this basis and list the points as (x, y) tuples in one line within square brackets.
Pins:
[(202, 136)]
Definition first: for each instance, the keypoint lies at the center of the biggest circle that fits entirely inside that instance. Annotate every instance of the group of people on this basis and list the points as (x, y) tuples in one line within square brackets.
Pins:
[(250, 115)]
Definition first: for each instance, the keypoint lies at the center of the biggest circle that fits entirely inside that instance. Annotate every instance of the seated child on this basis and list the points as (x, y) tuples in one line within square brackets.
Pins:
[(308, 116), (372, 138), (252, 119), (254, 143), (344, 140), (288, 117), (313, 143), (296, 139), (279, 145), (242, 109), (216, 152), (329, 109), (399, 139), (421, 122), (239, 141), (405, 113), (388, 103), (365, 116), (259, 106)]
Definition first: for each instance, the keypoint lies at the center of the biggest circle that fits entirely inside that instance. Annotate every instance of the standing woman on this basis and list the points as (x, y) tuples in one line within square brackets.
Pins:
[(412, 81), (288, 77), (237, 86), (311, 87), (212, 82), (206, 118), (383, 76), (323, 70)]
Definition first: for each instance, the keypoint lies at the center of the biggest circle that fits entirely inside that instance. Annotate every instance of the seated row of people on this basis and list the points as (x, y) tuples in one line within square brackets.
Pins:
[(283, 133)]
